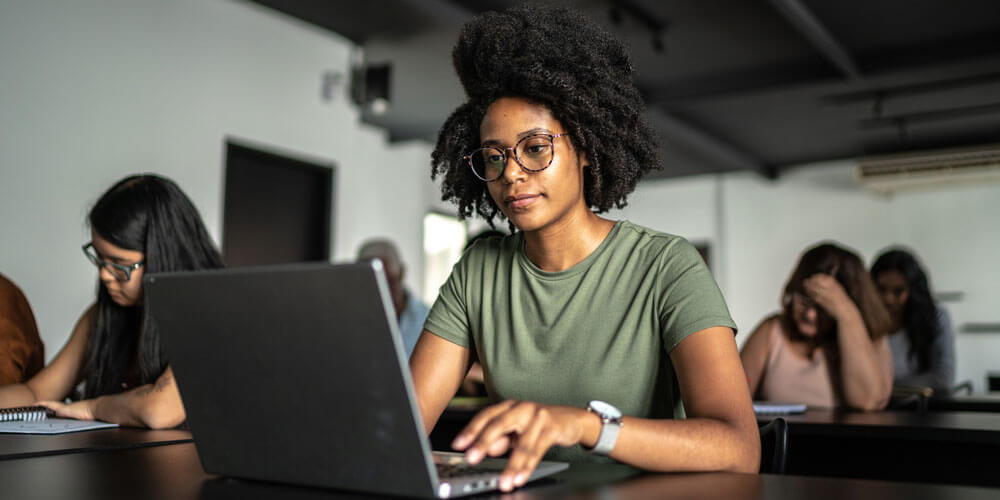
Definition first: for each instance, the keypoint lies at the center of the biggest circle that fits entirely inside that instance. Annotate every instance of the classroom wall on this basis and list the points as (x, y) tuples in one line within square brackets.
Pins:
[(93, 91), (759, 227)]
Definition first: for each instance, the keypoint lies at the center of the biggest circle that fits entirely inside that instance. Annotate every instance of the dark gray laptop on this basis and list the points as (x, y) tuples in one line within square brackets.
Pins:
[(297, 374)]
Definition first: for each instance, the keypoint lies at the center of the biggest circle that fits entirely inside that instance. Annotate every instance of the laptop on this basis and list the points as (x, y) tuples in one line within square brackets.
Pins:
[(297, 374)]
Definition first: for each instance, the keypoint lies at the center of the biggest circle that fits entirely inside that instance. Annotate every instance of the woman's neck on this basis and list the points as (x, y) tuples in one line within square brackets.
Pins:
[(567, 242)]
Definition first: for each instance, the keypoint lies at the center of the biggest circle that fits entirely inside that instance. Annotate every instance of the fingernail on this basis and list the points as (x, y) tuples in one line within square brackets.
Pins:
[(520, 479), (459, 442), (505, 483), (473, 455)]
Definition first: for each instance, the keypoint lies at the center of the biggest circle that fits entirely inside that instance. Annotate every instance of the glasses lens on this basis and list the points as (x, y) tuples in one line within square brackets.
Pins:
[(119, 273), (91, 255), (487, 163), (535, 152)]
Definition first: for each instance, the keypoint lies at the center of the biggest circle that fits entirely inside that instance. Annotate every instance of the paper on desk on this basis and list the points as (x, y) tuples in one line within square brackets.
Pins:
[(52, 426), (771, 408)]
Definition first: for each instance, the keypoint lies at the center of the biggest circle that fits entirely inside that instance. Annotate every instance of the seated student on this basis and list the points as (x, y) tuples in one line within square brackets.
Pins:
[(142, 224), (22, 353), (410, 310), (573, 308), (828, 346), (922, 342)]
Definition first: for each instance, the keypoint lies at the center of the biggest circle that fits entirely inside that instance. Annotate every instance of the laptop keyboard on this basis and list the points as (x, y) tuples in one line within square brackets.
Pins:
[(451, 471)]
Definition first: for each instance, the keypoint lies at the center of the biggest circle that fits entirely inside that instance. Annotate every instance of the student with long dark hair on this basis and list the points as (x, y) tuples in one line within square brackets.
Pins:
[(142, 224), (922, 342), (599, 339), (828, 346)]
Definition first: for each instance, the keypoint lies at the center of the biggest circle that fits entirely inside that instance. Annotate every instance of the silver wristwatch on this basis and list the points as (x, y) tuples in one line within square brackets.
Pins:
[(611, 423)]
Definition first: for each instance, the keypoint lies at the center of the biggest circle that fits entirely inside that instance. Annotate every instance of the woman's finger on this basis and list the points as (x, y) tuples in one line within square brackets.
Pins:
[(478, 422), (514, 420), (526, 454)]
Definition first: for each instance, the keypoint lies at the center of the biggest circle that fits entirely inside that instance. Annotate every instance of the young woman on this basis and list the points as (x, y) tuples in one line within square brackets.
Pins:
[(922, 342), (143, 224), (828, 347), (596, 337)]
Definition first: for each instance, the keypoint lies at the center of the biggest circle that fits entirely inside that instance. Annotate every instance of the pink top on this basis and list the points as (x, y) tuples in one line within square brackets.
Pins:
[(791, 378)]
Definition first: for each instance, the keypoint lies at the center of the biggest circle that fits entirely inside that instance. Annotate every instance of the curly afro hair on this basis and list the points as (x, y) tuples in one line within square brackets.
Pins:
[(560, 59)]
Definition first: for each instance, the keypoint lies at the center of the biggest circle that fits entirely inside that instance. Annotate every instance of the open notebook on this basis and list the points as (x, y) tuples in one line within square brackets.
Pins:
[(36, 420)]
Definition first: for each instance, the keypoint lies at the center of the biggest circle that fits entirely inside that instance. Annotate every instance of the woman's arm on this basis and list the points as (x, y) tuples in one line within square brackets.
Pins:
[(438, 368), (754, 354), (56, 380), (157, 406), (720, 432), (865, 364)]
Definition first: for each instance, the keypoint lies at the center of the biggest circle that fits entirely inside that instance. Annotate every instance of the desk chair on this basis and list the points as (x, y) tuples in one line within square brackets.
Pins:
[(907, 398), (966, 386), (773, 446)]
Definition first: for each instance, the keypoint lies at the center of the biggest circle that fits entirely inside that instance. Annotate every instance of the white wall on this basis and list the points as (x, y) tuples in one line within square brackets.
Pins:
[(93, 91), (759, 227)]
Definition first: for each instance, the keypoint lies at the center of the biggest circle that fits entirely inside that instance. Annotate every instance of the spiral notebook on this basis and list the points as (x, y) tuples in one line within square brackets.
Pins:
[(37, 420)]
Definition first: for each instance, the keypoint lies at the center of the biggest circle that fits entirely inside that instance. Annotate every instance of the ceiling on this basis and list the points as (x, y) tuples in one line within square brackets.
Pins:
[(730, 84)]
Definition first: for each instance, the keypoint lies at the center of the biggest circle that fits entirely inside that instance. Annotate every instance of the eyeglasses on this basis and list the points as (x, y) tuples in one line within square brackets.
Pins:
[(119, 271), (533, 153)]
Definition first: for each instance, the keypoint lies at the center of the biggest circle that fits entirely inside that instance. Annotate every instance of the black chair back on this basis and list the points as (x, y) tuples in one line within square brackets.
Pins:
[(773, 446)]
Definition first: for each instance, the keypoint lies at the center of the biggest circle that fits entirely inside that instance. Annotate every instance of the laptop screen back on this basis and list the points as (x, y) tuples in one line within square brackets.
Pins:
[(294, 374)]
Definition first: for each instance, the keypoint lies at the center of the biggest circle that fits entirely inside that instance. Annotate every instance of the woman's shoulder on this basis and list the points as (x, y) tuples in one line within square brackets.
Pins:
[(645, 233), (492, 246), (641, 239), (770, 327)]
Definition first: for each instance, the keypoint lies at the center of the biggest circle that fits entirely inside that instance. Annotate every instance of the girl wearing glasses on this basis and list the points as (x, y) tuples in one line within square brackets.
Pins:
[(144, 223), (596, 337), (828, 347)]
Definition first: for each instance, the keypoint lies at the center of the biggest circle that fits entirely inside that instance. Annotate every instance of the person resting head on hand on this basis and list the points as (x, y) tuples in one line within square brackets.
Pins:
[(828, 346), (142, 224)]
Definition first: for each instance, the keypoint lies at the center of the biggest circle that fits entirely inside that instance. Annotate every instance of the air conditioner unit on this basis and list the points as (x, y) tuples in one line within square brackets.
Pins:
[(928, 169)]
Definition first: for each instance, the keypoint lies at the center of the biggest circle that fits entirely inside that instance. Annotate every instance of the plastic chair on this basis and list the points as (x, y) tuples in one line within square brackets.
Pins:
[(773, 446)]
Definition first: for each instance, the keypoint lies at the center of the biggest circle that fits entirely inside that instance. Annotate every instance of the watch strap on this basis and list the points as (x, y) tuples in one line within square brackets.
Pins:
[(609, 433), (608, 437)]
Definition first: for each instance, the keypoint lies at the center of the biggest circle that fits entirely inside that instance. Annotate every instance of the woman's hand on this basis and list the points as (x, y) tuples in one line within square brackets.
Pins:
[(527, 428), (79, 410), (828, 293)]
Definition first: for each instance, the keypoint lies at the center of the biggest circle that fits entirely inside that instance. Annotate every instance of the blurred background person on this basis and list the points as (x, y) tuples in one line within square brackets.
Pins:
[(922, 340), (22, 353), (828, 347), (410, 311)]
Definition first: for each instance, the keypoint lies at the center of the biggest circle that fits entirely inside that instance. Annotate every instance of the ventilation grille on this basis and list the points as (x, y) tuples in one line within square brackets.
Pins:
[(929, 169)]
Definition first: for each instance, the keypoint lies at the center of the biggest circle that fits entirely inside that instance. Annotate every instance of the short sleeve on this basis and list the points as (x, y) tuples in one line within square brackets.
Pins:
[(448, 317), (690, 299)]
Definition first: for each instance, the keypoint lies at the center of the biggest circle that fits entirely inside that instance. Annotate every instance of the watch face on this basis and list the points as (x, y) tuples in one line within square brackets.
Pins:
[(606, 409)]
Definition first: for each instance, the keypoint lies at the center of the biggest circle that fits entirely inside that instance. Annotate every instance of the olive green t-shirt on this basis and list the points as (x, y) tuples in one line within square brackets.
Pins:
[(601, 329)]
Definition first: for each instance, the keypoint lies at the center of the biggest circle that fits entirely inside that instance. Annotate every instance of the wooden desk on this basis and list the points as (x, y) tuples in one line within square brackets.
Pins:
[(935, 447), (174, 473), (31, 445)]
